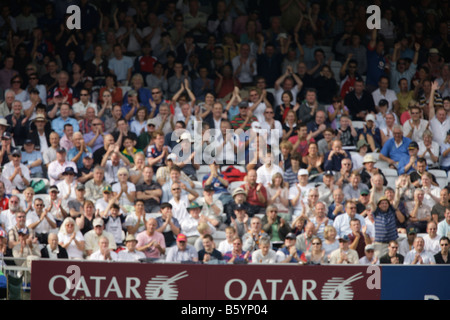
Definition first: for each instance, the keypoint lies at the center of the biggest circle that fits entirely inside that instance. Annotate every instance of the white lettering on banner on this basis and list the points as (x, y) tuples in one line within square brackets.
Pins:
[(431, 297), (112, 286), (336, 288), (374, 281)]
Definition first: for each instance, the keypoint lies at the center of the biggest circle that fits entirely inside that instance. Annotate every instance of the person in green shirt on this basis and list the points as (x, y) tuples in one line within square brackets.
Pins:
[(129, 150)]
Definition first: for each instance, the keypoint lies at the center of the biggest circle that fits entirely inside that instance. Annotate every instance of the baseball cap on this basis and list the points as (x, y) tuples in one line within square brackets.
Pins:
[(165, 205), (433, 51), (413, 145), (369, 247), (2, 234), (238, 206), (28, 141), (53, 188), (194, 205), (361, 143), (181, 237), (60, 150), (68, 170), (383, 102), (364, 191), (412, 230), (209, 187), (185, 136), (344, 238), (16, 152), (98, 222), (291, 235), (329, 173), (107, 189), (303, 172), (172, 156), (89, 155), (370, 117), (243, 104), (40, 117), (80, 187), (132, 93)]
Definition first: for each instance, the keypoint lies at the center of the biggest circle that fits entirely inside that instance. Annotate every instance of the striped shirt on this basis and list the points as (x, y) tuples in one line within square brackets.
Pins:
[(385, 225)]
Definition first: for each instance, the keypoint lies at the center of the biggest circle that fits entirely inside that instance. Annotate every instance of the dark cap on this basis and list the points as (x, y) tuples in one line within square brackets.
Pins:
[(243, 104), (329, 173), (383, 102), (239, 206), (291, 235), (344, 238), (24, 231), (413, 145), (29, 141), (209, 187), (165, 205), (69, 170), (364, 191), (34, 90), (16, 152), (60, 150), (81, 186), (412, 230)]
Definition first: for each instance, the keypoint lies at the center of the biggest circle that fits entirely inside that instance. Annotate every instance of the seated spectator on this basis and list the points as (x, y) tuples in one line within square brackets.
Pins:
[(71, 239), (445, 153), (392, 257), (53, 250), (267, 171), (79, 150), (182, 251), (212, 207), (239, 196), (16, 172), (419, 255), (438, 210), (264, 254), (442, 256), (407, 164), (371, 133), (334, 157), (114, 221), (25, 249), (431, 238), (125, 189), (237, 255), (344, 255), (209, 254), (93, 237), (317, 255), (415, 127), (256, 192), (314, 163), (353, 189), (357, 158), (275, 227), (32, 159), (359, 101), (298, 193), (190, 223), (429, 150), (395, 148), (151, 242), (278, 194), (342, 222), (346, 132), (104, 251), (130, 254)]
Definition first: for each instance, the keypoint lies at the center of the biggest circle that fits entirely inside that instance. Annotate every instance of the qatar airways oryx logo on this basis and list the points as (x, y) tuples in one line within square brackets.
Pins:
[(163, 287), (338, 288)]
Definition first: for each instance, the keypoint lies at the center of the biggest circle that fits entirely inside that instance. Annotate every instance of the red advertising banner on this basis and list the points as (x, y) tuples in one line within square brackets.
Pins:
[(74, 280)]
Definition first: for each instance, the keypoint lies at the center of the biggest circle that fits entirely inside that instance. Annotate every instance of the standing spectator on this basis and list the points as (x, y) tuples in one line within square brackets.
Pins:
[(121, 66), (244, 66)]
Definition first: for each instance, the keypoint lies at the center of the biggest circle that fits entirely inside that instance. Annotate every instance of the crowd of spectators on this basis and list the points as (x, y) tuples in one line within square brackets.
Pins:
[(105, 131)]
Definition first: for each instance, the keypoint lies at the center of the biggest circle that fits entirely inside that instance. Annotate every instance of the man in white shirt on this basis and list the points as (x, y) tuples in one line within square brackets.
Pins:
[(93, 238), (266, 172), (342, 222), (431, 239), (57, 167), (16, 172), (419, 255), (79, 108), (130, 254), (384, 93), (440, 125), (104, 252), (298, 192)]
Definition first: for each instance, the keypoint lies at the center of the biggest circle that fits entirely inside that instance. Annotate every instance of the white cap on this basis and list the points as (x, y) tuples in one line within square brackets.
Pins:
[(303, 172)]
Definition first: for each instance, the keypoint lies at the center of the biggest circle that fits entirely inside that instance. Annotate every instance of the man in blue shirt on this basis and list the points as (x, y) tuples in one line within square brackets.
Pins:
[(79, 150), (32, 159), (408, 164), (395, 148), (64, 118)]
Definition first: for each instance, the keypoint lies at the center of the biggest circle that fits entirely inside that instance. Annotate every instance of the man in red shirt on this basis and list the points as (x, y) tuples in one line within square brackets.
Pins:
[(4, 201), (256, 193)]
